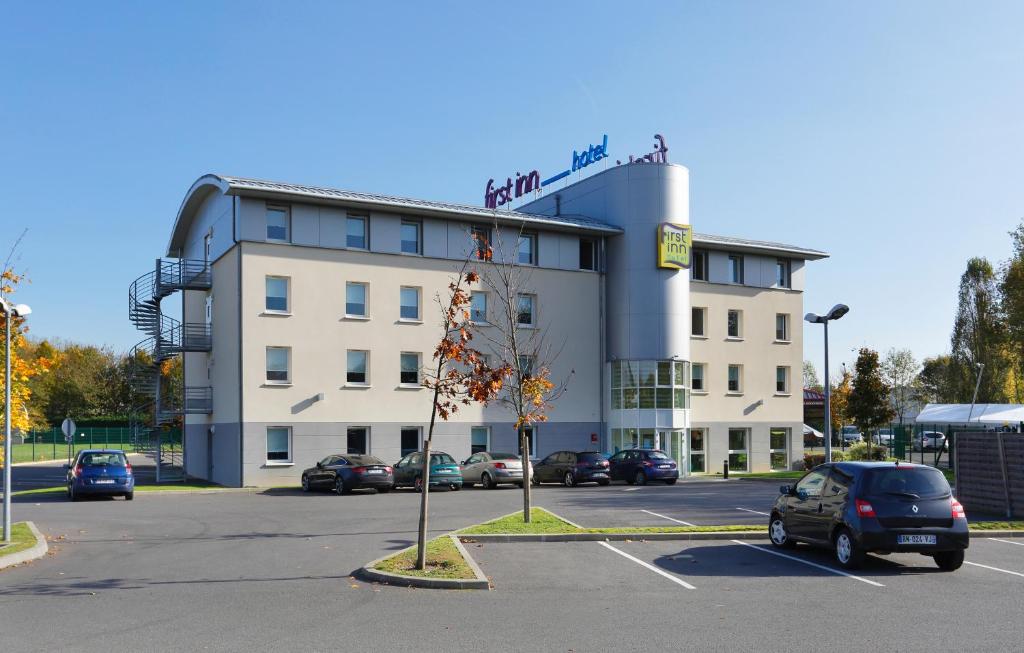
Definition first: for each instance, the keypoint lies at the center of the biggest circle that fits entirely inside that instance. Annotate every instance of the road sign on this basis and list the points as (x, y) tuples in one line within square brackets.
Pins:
[(68, 427)]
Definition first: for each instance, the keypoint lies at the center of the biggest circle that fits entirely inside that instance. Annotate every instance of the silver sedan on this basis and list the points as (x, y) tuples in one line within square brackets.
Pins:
[(491, 469)]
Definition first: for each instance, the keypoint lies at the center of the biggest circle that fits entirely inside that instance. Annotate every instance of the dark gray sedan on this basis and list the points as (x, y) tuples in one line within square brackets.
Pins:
[(491, 469)]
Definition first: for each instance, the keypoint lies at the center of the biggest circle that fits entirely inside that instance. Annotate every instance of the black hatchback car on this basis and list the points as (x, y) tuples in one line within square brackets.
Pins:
[(346, 472), (637, 466), (571, 468), (861, 507)]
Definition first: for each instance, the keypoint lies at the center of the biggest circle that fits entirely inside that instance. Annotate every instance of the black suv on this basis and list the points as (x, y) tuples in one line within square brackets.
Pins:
[(571, 468), (860, 507)]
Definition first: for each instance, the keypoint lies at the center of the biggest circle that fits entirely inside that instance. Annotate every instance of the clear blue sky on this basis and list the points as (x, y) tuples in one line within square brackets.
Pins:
[(889, 134)]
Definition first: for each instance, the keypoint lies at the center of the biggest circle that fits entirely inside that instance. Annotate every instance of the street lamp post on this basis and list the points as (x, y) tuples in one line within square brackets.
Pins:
[(837, 312), (10, 312)]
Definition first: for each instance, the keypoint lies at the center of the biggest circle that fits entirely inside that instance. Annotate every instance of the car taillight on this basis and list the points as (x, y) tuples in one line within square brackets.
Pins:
[(358, 470), (388, 470), (604, 463), (864, 508), (78, 470), (499, 465), (128, 468), (648, 463), (958, 509)]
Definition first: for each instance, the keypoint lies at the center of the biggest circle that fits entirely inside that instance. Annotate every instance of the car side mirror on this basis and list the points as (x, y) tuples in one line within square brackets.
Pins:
[(785, 490), (802, 494), (463, 462), (319, 464)]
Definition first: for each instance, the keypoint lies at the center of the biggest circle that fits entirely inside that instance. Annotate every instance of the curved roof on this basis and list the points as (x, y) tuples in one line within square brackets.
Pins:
[(282, 191)]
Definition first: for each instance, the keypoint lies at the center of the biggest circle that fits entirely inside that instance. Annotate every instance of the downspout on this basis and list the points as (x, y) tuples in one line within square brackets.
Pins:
[(602, 348), (241, 388)]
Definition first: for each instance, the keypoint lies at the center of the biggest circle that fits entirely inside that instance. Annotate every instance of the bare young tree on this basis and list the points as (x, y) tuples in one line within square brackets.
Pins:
[(519, 340), (461, 376), (899, 371)]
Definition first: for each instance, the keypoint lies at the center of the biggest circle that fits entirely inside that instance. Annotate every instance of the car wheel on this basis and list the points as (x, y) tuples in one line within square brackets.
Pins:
[(339, 486), (949, 560), (604, 482), (305, 483), (778, 534), (670, 481), (486, 482), (849, 555), (129, 496), (640, 478), (569, 480), (455, 487), (418, 484), (535, 481), (72, 494)]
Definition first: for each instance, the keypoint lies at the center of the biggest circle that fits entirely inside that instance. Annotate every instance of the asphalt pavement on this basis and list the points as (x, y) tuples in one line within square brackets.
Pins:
[(273, 571)]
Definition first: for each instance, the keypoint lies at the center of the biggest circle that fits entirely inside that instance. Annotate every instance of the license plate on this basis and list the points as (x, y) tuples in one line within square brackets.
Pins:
[(600, 474), (664, 466), (375, 471), (104, 481), (915, 539)]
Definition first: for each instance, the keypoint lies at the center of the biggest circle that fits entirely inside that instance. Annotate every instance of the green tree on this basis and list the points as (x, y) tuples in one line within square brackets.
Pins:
[(934, 383), (1011, 288), (74, 387), (979, 336), (899, 370), (811, 380), (839, 403), (869, 398)]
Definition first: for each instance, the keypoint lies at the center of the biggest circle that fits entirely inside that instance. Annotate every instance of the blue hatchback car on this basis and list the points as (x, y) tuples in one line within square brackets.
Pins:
[(100, 472)]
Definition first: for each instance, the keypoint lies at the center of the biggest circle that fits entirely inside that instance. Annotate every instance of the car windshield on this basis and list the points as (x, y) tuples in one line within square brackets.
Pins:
[(913, 482), (656, 455), (441, 459), (364, 460), (849, 429), (105, 459), (589, 457), (504, 456)]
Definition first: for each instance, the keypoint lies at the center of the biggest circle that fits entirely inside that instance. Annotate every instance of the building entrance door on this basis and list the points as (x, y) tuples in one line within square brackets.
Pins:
[(674, 444), (647, 439)]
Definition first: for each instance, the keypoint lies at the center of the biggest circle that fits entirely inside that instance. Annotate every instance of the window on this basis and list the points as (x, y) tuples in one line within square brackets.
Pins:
[(697, 321), (697, 460), (410, 235), (480, 437), (355, 232), (356, 367), (812, 484), (409, 299), (279, 444), (277, 295), (531, 441), (782, 380), (699, 265), (410, 368), (588, 254), (277, 364), (735, 378), (478, 307), (481, 240), (525, 310), (735, 324), (358, 440), (738, 457), (278, 224), (355, 299), (650, 384), (526, 364), (782, 327), (697, 381), (778, 444), (735, 269), (783, 278), (410, 442), (527, 249), (838, 484)]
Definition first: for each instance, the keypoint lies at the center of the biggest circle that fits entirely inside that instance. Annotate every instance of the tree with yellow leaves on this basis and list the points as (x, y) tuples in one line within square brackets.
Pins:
[(22, 368)]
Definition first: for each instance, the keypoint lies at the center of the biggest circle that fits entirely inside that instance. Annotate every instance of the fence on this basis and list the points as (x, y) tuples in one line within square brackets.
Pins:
[(926, 444), (990, 473), (50, 444)]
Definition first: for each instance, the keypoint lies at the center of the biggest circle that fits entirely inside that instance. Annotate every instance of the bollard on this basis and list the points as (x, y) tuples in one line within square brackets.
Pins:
[(725, 469)]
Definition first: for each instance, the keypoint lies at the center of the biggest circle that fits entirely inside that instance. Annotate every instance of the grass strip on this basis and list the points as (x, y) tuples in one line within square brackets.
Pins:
[(997, 526), (541, 522), (163, 487), (21, 539), (443, 561)]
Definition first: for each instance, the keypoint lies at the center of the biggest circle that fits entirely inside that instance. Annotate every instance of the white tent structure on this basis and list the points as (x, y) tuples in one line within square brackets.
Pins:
[(982, 414), (810, 430)]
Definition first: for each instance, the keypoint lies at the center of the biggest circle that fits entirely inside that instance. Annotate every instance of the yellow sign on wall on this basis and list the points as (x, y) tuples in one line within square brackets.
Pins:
[(674, 244)]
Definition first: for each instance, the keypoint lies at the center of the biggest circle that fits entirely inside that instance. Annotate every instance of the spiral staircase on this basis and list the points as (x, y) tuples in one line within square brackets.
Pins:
[(165, 401)]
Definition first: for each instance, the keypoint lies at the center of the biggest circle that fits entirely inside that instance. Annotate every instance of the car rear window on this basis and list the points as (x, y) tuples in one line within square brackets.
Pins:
[(441, 459), (504, 456), (104, 459), (364, 460), (656, 455), (926, 483), (589, 457)]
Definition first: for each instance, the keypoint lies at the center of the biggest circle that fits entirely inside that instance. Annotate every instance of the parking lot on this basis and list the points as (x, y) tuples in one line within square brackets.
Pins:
[(273, 571)]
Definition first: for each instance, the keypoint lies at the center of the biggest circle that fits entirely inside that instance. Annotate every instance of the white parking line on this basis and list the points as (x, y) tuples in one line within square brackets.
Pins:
[(1005, 571), (631, 489), (996, 539), (756, 512), (649, 566), (809, 563), (678, 521)]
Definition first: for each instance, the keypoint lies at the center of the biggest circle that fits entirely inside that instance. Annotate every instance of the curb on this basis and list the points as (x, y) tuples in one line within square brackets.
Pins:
[(615, 537), (388, 578), (38, 550)]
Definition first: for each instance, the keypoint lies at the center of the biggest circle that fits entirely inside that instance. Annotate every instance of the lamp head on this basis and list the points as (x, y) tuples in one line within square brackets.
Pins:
[(814, 318), (838, 311), (21, 310)]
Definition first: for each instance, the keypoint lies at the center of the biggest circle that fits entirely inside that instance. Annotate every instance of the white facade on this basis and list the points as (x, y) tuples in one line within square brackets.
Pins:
[(284, 326)]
